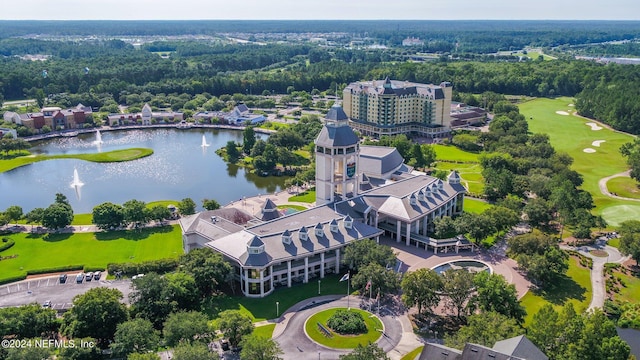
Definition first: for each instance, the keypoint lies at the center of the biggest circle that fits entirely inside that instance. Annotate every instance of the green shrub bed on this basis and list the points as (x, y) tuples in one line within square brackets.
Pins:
[(347, 322)]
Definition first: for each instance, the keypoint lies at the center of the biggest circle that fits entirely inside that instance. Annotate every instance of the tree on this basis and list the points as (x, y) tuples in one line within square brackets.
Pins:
[(135, 336), (484, 329), (28, 321), (478, 226), (457, 287), (207, 267), (145, 356), (57, 216), (445, 227), (538, 212), (630, 239), (159, 213), (210, 204), (494, 293), (234, 325), (182, 290), (189, 351), (81, 352), (35, 216), (187, 206), (367, 251), (185, 326), (232, 151), (108, 216), (95, 314), (501, 218), (28, 353), (256, 347), (422, 288), (248, 139), (135, 212), (384, 280), (369, 352), (150, 299), (13, 213)]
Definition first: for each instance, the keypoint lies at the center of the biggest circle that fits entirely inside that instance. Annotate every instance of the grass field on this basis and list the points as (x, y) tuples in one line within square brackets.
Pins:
[(339, 341), (471, 174), (308, 196), (574, 288), (37, 251), (292, 206), (452, 153), (475, 206), (631, 291), (265, 331), (624, 186), (109, 156), (265, 308), (570, 134)]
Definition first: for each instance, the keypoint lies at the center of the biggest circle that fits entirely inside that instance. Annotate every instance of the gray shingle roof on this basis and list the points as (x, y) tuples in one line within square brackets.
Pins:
[(521, 347), (332, 136), (336, 113)]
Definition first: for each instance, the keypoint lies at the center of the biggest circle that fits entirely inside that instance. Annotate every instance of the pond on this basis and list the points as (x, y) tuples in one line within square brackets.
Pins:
[(474, 266), (180, 167)]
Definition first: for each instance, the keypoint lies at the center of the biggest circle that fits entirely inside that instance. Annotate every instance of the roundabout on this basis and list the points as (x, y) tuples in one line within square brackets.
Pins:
[(317, 328)]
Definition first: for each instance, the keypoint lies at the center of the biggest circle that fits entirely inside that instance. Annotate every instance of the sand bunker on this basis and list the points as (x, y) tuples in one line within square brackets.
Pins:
[(594, 126), (571, 105), (562, 113), (589, 150), (597, 143)]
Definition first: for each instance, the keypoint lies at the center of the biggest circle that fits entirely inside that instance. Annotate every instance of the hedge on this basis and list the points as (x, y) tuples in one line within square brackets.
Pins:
[(158, 266), (6, 245)]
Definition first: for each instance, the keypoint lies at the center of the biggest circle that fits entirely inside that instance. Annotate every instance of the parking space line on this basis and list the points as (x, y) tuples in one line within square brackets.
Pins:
[(48, 281)]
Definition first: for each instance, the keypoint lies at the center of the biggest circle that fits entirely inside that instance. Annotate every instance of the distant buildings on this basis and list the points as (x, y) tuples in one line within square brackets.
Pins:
[(516, 348), (53, 117), (145, 117), (411, 41), (238, 116), (391, 107), (463, 115)]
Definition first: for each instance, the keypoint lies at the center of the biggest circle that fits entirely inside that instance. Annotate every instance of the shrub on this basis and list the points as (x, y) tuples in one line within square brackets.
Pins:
[(6, 244), (347, 322), (158, 266)]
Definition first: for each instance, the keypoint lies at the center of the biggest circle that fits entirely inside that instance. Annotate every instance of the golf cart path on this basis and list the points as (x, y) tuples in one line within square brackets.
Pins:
[(602, 184)]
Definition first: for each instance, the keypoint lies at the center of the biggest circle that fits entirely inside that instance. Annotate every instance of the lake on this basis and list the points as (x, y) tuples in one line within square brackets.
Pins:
[(179, 167)]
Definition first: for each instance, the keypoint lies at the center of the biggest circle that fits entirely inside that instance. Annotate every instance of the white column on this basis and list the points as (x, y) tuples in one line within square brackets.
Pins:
[(246, 281), (289, 273), (332, 174), (306, 269), (337, 260), (408, 240), (416, 227), (425, 223), (271, 278), (261, 283), (399, 231), (322, 265)]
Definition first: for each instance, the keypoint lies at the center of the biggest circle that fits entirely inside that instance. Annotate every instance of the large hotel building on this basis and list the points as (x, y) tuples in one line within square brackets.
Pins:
[(390, 107)]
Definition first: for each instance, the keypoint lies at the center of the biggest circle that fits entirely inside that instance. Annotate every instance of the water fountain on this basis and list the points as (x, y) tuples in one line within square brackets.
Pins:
[(76, 179), (204, 141), (98, 140)]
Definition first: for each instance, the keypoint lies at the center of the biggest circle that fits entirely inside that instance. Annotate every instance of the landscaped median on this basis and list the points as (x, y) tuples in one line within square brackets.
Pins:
[(46, 253), (317, 329), (109, 156)]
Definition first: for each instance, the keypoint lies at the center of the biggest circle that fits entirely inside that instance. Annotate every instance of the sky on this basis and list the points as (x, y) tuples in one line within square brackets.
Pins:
[(320, 10)]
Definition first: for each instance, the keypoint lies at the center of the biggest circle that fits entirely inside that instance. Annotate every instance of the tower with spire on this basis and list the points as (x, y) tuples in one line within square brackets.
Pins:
[(337, 153)]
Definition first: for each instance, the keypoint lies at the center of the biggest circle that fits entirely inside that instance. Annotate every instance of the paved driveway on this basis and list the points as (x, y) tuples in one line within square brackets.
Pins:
[(49, 288)]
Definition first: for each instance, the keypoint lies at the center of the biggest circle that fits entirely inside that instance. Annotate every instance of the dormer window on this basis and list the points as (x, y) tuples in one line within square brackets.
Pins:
[(255, 246), (348, 222), (303, 234), (413, 200), (440, 184), (319, 230), (333, 226), (286, 237), (421, 195), (428, 191)]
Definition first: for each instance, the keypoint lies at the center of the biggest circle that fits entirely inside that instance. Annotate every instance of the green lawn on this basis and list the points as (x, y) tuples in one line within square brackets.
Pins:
[(36, 251), (308, 196), (475, 206), (471, 174), (631, 291), (265, 308), (374, 327), (624, 186), (413, 355), (109, 156), (570, 134), (454, 154), (265, 331), (615, 242), (292, 206), (87, 219), (574, 288)]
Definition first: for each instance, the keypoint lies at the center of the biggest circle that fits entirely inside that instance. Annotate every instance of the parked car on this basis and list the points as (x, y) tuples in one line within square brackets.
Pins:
[(88, 276), (46, 304), (63, 278), (96, 275), (137, 276), (79, 278)]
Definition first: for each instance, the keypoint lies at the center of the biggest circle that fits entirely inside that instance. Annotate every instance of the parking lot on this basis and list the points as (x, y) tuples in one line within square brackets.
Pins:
[(50, 289)]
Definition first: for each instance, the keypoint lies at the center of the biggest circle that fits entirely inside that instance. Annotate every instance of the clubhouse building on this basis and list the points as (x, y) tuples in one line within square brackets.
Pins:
[(361, 192)]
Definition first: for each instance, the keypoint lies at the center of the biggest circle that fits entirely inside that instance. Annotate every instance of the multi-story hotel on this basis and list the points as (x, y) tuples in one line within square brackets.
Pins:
[(390, 107), (361, 192)]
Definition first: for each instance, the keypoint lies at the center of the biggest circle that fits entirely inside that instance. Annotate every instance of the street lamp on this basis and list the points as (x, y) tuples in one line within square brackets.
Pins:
[(277, 309)]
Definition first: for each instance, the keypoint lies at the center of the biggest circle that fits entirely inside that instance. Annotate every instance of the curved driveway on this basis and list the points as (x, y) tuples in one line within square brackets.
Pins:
[(290, 334)]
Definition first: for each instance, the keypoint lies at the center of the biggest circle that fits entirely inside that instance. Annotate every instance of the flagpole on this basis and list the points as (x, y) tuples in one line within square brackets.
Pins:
[(348, 281)]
